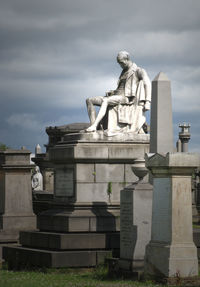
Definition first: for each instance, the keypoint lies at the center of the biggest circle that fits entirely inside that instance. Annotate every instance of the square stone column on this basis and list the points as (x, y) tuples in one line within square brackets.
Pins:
[(16, 212), (171, 251)]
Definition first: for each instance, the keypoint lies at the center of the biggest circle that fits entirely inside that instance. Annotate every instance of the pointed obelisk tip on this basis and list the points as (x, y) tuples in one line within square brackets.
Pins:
[(161, 77)]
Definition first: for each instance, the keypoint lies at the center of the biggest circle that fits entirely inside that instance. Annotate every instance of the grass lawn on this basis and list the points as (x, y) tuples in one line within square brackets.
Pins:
[(65, 278), (78, 278)]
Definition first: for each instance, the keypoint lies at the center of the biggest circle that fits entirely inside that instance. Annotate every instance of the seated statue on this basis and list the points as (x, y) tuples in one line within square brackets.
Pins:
[(125, 106), (37, 180)]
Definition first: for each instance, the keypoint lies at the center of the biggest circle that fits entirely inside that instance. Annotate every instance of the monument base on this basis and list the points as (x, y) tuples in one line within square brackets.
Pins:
[(180, 257), (90, 170)]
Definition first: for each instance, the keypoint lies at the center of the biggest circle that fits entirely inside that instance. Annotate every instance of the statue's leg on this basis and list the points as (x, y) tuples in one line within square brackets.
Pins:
[(113, 100), (91, 103), (100, 115)]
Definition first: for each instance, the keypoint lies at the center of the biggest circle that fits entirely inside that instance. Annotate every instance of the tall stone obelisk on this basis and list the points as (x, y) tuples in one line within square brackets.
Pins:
[(161, 130)]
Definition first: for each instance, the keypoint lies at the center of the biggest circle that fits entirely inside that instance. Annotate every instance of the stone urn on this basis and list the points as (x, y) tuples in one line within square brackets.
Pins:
[(139, 168)]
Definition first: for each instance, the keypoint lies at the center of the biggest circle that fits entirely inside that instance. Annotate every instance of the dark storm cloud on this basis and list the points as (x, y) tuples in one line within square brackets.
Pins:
[(54, 54)]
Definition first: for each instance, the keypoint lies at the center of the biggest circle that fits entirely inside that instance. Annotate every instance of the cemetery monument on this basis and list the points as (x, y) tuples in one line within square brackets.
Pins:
[(91, 165)]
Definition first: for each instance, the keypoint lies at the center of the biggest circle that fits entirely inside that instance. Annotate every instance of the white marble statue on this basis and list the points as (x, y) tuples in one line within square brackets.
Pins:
[(126, 105), (37, 180)]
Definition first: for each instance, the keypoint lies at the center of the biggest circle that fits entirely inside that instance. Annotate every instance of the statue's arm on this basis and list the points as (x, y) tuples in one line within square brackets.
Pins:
[(142, 75)]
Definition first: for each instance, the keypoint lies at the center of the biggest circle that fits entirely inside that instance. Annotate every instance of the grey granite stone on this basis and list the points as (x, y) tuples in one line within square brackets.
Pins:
[(161, 128)]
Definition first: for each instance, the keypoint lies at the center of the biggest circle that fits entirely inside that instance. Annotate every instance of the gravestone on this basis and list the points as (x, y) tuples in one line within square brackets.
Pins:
[(171, 251), (135, 220)]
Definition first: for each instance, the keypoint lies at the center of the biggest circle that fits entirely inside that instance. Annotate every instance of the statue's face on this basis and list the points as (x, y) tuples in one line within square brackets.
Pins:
[(123, 62), (37, 169)]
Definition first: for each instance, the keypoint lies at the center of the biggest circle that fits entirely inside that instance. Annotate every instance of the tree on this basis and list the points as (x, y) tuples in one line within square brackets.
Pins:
[(3, 146)]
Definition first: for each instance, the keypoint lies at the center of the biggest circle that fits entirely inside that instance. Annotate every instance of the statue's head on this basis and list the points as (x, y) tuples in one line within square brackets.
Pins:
[(37, 169), (123, 58)]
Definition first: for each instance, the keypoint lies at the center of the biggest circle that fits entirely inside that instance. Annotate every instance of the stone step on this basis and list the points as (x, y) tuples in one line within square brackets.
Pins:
[(101, 220), (69, 241), (18, 257)]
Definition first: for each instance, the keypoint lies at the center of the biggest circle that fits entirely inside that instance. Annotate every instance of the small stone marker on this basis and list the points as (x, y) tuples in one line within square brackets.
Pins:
[(38, 149), (161, 129), (171, 251)]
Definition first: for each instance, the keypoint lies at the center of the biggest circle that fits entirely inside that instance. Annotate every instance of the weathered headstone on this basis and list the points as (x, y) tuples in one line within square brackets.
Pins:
[(161, 128), (135, 220), (171, 251)]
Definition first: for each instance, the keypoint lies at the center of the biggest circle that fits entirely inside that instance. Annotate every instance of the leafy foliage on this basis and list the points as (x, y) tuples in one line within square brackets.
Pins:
[(3, 146)]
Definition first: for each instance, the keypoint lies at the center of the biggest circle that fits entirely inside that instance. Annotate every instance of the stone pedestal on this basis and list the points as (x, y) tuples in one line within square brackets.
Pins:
[(82, 227), (135, 225), (171, 251), (90, 170), (16, 211)]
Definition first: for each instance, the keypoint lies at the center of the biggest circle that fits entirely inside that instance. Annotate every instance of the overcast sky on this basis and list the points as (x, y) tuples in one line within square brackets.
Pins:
[(55, 54)]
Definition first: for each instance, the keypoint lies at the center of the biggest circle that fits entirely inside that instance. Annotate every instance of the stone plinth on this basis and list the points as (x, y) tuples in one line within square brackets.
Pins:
[(92, 167), (90, 171), (16, 211), (135, 225), (171, 251), (83, 222)]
